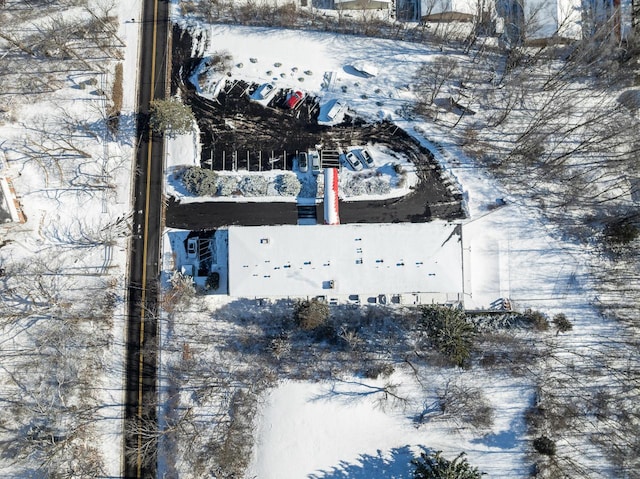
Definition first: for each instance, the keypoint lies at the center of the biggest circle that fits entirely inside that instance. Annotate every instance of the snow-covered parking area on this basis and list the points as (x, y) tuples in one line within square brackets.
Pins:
[(391, 176)]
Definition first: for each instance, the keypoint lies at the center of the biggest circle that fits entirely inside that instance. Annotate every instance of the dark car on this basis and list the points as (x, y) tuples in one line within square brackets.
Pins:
[(303, 162), (213, 280), (366, 157)]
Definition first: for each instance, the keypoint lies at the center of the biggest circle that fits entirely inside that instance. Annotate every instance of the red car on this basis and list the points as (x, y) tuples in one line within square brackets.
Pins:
[(294, 99)]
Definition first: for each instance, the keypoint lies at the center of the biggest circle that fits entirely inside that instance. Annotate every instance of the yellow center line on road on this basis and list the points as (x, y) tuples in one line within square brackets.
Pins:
[(145, 243)]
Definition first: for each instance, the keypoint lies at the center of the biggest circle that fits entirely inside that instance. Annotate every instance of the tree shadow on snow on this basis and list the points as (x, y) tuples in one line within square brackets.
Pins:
[(395, 465), (507, 439), (347, 391)]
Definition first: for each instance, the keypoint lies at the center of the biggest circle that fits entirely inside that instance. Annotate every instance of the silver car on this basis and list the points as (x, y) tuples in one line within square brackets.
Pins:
[(264, 90), (315, 161), (335, 109), (353, 161)]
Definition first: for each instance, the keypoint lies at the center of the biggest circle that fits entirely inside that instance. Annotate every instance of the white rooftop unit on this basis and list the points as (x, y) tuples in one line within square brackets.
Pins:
[(345, 261)]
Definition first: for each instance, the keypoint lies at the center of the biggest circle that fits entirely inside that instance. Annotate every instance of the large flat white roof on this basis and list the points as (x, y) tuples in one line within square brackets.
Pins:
[(356, 259)]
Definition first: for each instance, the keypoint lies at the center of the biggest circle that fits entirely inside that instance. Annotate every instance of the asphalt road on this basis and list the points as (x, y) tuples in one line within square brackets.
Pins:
[(420, 206), (203, 216), (140, 387)]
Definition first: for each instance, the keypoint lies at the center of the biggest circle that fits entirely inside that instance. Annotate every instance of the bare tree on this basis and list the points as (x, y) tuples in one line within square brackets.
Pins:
[(431, 77)]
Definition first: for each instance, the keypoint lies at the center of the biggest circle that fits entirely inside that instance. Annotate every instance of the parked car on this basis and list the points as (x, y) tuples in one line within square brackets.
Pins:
[(293, 100), (303, 162), (315, 161), (335, 109), (192, 248), (213, 280), (353, 161), (366, 158), (265, 90)]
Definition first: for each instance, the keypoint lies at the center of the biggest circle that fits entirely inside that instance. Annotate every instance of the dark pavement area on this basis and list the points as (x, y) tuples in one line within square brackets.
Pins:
[(258, 131), (142, 289)]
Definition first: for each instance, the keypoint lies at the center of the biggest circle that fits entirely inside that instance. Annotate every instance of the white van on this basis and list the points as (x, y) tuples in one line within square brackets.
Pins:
[(335, 109)]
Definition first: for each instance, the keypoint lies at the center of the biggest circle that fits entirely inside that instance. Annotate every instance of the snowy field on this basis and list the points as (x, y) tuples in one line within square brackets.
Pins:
[(339, 424), (244, 390), (63, 270)]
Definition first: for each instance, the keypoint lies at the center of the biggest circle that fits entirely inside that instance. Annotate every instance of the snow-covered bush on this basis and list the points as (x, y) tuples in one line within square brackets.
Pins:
[(364, 184), (280, 346), (182, 290), (561, 323), (227, 185), (220, 61), (200, 181), (253, 185), (544, 445), (466, 405), (620, 232), (288, 185), (536, 319), (378, 186), (379, 370)]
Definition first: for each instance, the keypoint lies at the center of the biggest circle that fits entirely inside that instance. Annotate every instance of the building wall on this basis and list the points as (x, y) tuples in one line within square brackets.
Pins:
[(529, 20), (552, 18), (438, 7), (361, 4)]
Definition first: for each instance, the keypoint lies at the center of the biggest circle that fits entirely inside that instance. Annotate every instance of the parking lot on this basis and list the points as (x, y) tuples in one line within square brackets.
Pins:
[(240, 134)]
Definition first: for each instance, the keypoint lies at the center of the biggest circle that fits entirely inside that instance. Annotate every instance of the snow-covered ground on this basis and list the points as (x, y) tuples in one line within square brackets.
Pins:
[(63, 289), (321, 64), (347, 427), (64, 269)]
